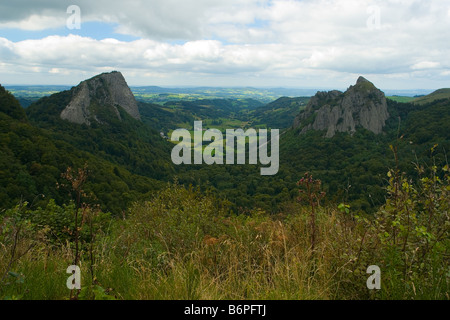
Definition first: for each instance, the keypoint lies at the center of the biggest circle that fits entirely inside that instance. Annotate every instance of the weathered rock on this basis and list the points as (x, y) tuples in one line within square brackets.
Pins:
[(362, 105), (108, 90)]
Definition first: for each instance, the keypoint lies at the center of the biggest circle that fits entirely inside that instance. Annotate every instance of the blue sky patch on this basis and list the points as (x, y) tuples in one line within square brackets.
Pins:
[(95, 30)]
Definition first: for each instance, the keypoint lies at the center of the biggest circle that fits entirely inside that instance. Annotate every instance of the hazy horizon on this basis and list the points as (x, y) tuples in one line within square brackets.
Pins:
[(312, 90)]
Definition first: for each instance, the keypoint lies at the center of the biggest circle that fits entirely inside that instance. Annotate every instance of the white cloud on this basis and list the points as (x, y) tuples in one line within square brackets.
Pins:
[(35, 22), (156, 19), (276, 42), (425, 65)]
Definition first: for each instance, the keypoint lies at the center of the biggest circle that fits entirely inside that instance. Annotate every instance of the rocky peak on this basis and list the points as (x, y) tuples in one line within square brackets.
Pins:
[(362, 84), (107, 92), (362, 80), (362, 105)]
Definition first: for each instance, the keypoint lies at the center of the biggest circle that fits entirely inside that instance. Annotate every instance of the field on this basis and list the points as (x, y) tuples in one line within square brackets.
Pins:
[(163, 95), (401, 99)]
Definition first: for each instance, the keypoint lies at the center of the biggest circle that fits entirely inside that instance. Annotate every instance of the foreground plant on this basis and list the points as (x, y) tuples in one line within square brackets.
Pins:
[(311, 192)]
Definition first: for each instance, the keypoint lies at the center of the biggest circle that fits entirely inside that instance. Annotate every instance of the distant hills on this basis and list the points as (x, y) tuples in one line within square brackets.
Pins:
[(424, 99), (155, 94), (436, 95), (343, 138), (160, 95)]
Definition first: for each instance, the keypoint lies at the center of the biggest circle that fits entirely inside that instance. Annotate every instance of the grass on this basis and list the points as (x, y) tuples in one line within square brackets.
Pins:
[(183, 244), (251, 259), (401, 99)]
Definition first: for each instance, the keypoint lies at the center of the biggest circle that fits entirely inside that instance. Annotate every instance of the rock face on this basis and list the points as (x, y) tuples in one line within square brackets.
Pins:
[(362, 105), (107, 90)]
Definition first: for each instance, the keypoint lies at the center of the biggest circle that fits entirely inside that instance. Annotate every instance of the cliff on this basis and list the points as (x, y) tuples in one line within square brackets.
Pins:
[(107, 91), (362, 105)]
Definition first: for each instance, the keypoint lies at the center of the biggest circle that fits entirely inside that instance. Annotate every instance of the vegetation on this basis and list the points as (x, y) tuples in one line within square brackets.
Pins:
[(280, 113), (162, 95), (100, 197), (27, 95), (182, 244), (32, 160), (437, 95), (401, 99), (352, 168)]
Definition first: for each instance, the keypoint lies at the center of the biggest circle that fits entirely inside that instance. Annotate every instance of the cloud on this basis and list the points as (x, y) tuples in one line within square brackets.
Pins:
[(425, 65), (154, 19), (274, 41)]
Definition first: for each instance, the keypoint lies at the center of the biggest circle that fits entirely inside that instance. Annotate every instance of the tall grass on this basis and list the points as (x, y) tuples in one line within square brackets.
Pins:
[(185, 245)]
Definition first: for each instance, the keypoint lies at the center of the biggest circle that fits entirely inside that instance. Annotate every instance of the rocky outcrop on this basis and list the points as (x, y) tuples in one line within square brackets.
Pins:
[(107, 90), (362, 105)]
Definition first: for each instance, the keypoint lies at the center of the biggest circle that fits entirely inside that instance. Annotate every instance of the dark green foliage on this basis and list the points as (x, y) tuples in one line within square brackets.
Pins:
[(408, 238), (10, 106), (58, 222), (176, 114), (32, 160), (280, 113), (126, 142), (123, 155), (47, 110), (215, 108), (161, 119), (352, 168), (414, 228)]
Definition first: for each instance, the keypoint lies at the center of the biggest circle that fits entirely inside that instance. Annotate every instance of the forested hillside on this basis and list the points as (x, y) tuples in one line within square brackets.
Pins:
[(352, 166), (280, 113), (33, 158)]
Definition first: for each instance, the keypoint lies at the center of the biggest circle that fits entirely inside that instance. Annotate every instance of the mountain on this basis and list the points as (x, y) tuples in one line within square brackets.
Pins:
[(32, 159), (352, 160), (436, 95), (126, 157), (109, 127), (101, 95), (362, 105)]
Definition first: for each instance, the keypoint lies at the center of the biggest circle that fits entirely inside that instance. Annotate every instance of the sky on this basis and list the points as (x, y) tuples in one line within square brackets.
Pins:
[(396, 44)]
